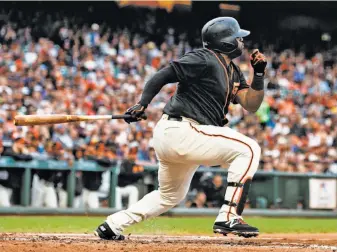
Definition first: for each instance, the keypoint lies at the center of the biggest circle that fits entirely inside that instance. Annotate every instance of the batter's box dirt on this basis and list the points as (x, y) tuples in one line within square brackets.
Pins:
[(23, 242)]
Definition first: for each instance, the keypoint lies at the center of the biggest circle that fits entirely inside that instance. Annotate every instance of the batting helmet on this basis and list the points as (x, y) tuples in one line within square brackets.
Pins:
[(220, 35)]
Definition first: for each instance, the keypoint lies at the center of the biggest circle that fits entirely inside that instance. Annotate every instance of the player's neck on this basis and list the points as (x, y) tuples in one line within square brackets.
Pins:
[(227, 59)]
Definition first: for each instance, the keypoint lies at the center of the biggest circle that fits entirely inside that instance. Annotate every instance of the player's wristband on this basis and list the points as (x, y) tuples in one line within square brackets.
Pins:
[(143, 104), (258, 74), (258, 83)]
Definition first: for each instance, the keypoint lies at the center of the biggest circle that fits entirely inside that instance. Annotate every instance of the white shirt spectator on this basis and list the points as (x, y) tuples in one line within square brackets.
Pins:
[(283, 82), (314, 140), (281, 128), (30, 57)]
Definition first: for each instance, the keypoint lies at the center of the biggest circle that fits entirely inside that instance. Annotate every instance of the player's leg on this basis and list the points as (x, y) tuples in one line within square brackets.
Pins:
[(80, 201), (132, 193), (93, 201), (77, 202), (37, 192), (9, 193), (174, 182), (118, 197), (5, 196), (63, 198), (219, 145), (122, 192), (50, 195), (85, 195)]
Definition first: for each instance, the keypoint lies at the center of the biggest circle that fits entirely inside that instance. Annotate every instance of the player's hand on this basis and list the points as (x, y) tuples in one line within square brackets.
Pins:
[(137, 112), (259, 62)]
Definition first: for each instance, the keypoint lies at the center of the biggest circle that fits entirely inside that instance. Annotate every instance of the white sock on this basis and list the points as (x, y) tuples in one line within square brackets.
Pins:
[(224, 214)]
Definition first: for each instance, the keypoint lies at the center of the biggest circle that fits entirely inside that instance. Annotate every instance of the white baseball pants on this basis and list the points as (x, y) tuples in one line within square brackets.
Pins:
[(181, 147), (129, 191), (5, 196), (43, 193), (90, 198), (63, 199)]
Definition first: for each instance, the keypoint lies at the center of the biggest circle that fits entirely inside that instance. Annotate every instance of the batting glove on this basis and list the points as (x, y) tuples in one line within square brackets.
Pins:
[(258, 62), (137, 113)]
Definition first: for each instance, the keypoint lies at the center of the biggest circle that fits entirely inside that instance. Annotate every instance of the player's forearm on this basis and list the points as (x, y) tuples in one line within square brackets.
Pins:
[(155, 84), (255, 94), (253, 97)]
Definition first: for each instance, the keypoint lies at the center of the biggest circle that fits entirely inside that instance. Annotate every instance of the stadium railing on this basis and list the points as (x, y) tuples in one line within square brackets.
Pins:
[(275, 186)]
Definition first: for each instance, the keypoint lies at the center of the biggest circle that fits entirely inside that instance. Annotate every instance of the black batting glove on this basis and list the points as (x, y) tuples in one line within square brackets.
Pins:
[(259, 62), (137, 113)]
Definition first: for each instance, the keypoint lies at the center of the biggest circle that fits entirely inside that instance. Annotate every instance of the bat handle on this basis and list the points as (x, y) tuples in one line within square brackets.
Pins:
[(121, 116), (125, 116)]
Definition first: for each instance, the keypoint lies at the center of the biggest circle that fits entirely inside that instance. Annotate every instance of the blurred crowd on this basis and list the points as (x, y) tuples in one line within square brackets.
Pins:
[(94, 70), (295, 123)]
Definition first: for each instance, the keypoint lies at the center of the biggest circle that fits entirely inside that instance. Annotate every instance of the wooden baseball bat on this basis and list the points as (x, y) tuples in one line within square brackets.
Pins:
[(26, 120)]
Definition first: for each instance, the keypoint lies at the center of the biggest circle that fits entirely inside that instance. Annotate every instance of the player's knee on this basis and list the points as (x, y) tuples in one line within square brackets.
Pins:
[(252, 149), (171, 200), (256, 149)]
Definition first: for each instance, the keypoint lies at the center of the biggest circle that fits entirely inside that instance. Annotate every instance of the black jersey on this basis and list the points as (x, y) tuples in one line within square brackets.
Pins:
[(206, 87)]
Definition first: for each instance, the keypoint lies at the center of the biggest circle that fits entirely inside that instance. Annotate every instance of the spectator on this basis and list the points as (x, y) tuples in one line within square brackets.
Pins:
[(129, 175), (43, 186), (92, 181), (152, 156), (199, 201), (143, 152), (214, 191), (12, 177), (5, 189), (62, 181), (63, 190)]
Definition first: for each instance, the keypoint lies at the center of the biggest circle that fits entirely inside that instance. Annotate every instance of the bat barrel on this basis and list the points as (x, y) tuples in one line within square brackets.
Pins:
[(26, 120)]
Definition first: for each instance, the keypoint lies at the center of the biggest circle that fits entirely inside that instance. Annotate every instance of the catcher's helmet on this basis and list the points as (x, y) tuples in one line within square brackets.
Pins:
[(220, 35)]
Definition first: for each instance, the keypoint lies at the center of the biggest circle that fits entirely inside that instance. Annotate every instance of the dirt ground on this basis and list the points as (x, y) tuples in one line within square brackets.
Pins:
[(23, 242)]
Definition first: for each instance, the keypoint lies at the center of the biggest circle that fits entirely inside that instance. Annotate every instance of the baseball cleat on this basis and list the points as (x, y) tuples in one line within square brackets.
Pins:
[(235, 226), (104, 232)]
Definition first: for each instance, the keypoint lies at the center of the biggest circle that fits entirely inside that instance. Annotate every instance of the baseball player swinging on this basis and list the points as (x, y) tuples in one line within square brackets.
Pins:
[(192, 131)]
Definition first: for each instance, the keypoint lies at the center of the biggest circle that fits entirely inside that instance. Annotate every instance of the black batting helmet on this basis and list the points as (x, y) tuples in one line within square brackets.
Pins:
[(220, 35)]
